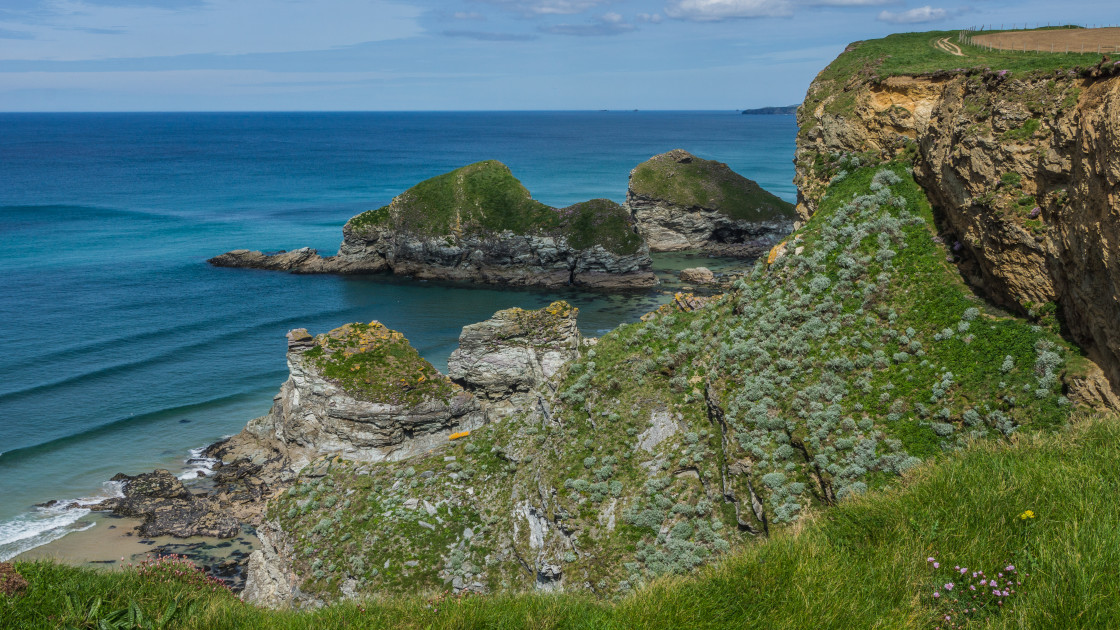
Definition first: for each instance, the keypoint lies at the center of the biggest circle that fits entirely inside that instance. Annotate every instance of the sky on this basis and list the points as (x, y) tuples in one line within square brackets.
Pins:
[(268, 55)]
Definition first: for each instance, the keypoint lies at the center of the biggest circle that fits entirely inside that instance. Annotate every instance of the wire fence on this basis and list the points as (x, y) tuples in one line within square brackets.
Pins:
[(1049, 38)]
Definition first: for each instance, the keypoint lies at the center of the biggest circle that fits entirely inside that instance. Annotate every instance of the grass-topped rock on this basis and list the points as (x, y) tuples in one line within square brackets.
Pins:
[(680, 201), (362, 391), (478, 223)]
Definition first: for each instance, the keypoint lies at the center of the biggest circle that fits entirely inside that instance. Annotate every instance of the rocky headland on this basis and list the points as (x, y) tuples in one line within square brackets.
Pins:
[(479, 224), (682, 202)]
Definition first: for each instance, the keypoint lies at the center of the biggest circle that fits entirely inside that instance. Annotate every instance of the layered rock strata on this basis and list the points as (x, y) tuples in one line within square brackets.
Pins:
[(503, 359), (682, 202), (1023, 169)]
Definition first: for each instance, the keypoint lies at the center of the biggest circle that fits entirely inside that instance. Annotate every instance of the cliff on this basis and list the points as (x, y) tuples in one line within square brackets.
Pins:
[(1019, 160), (852, 356), (479, 224), (680, 201)]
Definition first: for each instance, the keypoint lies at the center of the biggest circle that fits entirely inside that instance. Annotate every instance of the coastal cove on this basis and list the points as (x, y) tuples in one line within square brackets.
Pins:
[(129, 351)]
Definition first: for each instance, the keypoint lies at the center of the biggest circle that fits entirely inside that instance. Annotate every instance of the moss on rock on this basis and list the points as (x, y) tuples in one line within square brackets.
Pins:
[(485, 198), (372, 362), (682, 179)]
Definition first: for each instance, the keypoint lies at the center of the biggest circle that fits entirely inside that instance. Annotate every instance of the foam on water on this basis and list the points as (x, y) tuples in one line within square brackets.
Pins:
[(198, 465), (48, 523)]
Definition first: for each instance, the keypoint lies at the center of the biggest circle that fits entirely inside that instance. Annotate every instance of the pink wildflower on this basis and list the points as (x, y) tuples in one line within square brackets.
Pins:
[(937, 565), (936, 595), (949, 586)]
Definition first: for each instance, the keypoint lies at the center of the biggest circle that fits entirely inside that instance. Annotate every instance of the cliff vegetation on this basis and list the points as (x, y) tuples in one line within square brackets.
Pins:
[(861, 564)]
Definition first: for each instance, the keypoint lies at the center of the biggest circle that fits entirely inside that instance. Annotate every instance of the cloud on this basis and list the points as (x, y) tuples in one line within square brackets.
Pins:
[(718, 10), (651, 18), (919, 15), (81, 29), (547, 7), (488, 36), (609, 23), (7, 34), (464, 15)]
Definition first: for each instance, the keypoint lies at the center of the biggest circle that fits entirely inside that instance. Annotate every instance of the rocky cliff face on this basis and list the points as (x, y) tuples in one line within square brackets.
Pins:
[(505, 358), (479, 224), (1023, 171), (680, 201)]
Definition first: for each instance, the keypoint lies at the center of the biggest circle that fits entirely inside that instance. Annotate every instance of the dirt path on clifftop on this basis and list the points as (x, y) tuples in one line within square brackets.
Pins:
[(943, 44)]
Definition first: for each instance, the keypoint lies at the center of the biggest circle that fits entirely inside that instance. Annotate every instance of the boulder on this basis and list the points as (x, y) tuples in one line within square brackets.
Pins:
[(698, 275), (169, 508)]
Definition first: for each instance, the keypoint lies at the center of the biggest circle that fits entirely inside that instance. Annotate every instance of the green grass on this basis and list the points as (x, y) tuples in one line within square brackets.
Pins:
[(372, 362), (707, 184), (485, 199), (861, 564), (914, 54)]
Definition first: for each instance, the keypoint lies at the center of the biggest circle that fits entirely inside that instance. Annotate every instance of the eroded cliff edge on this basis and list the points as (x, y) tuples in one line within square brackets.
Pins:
[(1022, 168)]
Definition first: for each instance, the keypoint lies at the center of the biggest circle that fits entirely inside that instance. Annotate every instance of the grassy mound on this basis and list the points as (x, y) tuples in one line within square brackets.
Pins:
[(485, 198), (862, 564), (371, 362), (685, 180)]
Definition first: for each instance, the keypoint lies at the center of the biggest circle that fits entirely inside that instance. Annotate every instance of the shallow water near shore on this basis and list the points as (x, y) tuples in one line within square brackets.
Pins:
[(125, 350)]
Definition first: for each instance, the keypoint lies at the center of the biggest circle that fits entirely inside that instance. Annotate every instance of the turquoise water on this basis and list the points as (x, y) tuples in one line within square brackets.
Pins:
[(124, 350)]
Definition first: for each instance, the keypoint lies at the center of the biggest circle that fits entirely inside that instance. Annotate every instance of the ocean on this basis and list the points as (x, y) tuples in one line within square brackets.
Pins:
[(124, 350)]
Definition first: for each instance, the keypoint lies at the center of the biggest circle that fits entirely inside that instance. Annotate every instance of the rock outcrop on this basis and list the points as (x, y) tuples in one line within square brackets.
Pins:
[(503, 359), (1022, 168), (169, 508), (479, 224), (361, 391), (680, 201)]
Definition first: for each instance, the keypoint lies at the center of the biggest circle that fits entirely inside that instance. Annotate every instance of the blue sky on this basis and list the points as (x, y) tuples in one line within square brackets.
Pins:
[(162, 55)]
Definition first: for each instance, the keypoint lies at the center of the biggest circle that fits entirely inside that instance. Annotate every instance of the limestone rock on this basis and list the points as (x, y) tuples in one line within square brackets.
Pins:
[(680, 201), (344, 396), (271, 582)]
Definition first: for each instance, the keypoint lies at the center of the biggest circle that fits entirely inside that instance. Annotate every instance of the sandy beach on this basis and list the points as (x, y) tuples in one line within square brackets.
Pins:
[(112, 542)]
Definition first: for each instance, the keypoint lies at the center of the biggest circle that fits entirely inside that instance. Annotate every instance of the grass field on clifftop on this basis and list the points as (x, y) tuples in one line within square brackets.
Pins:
[(862, 564), (916, 53)]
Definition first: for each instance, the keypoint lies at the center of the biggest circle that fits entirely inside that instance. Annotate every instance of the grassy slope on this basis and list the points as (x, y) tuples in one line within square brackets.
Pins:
[(859, 565), (907, 54), (707, 184), (486, 198)]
